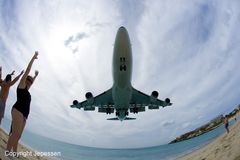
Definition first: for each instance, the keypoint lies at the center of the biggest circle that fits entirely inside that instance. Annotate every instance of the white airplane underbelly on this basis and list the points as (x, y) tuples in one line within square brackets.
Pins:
[(122, 70), (122, 97)]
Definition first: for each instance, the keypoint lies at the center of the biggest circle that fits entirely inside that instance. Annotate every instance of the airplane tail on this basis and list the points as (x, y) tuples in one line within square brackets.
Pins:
[(127, 118), (113, 119)]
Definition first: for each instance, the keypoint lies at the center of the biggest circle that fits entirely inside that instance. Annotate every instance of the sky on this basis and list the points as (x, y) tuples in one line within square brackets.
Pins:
[(186, 50)]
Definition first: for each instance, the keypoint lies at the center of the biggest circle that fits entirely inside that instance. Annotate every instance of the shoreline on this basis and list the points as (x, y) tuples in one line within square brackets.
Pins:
[(211, 125), (26, 152), (224, 147)]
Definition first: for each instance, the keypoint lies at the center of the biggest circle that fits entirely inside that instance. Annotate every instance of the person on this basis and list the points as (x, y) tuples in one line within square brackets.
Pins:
[(226, 123), (21, 108), (5, 87)]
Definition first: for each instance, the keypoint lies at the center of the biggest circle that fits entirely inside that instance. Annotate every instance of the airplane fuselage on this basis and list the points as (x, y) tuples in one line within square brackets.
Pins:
[(122, 73), (122, 97)]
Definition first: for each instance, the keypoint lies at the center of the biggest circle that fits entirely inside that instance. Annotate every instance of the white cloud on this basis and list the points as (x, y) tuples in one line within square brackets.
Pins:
[(187, 51)]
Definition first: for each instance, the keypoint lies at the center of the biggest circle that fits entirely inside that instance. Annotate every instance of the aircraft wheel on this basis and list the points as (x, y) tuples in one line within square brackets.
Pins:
[(135, 110), (108, 111)]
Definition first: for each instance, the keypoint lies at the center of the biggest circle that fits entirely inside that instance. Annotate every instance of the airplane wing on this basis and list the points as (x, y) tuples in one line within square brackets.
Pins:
[(140, 100), (103, 101)]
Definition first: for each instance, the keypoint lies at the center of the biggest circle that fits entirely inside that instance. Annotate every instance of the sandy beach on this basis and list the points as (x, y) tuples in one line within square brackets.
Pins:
[(21, 148), (225, 147)]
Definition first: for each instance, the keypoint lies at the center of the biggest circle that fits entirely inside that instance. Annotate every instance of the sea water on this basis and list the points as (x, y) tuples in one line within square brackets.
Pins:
[(76, 152)]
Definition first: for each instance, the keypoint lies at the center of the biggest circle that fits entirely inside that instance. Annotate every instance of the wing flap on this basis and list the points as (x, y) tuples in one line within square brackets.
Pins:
[(137, 109), (153, 107), (89, 108), (141, 99), (102, 100), (106, 109)]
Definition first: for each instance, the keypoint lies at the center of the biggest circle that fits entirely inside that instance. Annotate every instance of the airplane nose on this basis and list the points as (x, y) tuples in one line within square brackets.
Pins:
[(122, 36), (122, 29)]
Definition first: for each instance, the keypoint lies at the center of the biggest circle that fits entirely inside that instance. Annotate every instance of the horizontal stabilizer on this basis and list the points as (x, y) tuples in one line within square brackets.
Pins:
[(127, 118), (113, 119)]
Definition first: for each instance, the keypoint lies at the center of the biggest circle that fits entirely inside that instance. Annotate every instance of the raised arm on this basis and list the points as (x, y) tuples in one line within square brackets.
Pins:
[(23, 79), (1, 74), (16, 78), (12, 73), (35, 76)]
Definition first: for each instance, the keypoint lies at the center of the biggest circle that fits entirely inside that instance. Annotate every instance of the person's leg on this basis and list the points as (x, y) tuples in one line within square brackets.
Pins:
[(2, 109), (17, 124), (15, 145), (10, 130), (226, 127)]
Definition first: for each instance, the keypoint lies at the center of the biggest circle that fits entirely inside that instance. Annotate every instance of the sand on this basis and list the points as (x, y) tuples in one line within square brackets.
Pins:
[(21, 148), (225, 147)]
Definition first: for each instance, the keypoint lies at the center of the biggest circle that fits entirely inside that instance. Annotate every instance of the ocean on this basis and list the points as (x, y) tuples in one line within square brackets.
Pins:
[(76, 152)]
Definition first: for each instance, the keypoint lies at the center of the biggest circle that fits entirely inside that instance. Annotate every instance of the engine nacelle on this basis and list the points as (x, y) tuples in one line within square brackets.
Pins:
[(75, 102), (154, 96), (167, 100), (89, 98)]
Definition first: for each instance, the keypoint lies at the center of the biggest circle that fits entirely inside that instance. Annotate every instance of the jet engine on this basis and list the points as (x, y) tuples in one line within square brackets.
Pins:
[(167, 100), (89, 98), (75, 102), (154, 96)]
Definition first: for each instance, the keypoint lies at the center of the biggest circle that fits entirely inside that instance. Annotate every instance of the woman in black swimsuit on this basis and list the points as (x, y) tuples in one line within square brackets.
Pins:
[(21, 108)]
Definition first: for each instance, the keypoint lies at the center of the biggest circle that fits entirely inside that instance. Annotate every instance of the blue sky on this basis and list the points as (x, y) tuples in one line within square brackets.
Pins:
[(188, 51)]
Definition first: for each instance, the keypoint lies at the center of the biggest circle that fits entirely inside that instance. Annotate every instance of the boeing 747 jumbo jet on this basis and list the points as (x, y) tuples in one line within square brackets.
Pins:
[(122, 97)]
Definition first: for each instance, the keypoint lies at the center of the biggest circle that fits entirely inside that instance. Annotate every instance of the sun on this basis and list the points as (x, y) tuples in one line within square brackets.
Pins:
[(58, 51)]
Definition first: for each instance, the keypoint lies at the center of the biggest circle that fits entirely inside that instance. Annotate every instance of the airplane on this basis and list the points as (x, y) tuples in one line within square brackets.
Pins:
[(122, 97)]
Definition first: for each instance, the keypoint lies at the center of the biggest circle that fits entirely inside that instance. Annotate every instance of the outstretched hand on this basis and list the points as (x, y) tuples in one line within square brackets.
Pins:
[(36, 73), (35, 55), (12, 72)]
